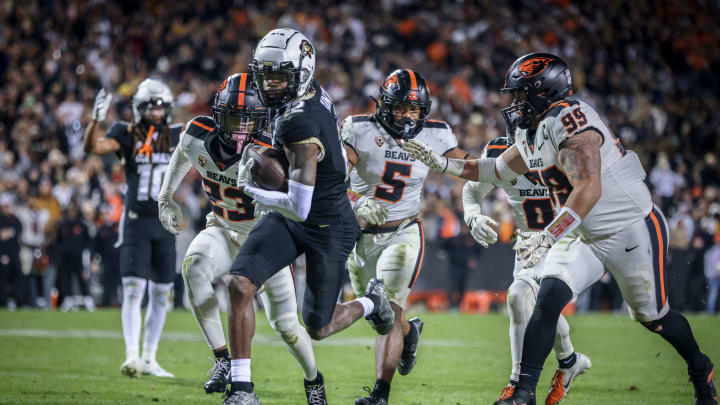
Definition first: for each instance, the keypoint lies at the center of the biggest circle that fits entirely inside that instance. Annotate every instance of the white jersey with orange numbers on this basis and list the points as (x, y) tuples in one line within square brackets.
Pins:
[(387, 172), (528, 197), (625, 197)]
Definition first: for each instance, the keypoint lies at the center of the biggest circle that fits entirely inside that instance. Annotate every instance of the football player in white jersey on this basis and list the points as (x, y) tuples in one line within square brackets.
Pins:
[(532, 208), (386, 185), (214, 147), (597, 189)]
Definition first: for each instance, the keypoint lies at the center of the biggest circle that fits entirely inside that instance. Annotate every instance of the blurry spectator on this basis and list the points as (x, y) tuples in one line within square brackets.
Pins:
[(712, 272), (464, 256), (10, 274), (71, 240), (107, 256), (34, 257), (665, 181)]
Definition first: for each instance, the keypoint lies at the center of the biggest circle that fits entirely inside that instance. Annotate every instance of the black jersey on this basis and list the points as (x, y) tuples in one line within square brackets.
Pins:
[(143, 173), (314, 116)]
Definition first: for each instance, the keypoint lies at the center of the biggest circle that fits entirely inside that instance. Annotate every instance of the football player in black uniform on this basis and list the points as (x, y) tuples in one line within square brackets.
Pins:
[(147, 250), (313, 217)]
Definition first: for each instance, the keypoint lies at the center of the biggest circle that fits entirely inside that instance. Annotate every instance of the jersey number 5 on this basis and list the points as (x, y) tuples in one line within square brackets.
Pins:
[(245, 209), (392, 190)]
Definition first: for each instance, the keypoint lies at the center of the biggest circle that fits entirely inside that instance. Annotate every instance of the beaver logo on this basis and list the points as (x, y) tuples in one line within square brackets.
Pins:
[(534, 66)]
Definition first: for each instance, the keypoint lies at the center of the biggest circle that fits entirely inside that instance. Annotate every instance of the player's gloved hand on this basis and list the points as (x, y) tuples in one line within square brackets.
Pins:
[(371, 210), (481, 229), (169, 213), (533, 246), (425, 154), (244, 176), (102, 105), (261, 210)]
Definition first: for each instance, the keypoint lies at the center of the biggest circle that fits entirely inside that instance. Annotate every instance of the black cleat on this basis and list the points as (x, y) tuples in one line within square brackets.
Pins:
[(409, 353), (519, 397), (704, 382), (382, 318), (372, 399), (219, 376), (315, 391)]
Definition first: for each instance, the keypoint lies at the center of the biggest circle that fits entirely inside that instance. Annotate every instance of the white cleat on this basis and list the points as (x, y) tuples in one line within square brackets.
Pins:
[(560, 384), (153, 368), (131, 367)]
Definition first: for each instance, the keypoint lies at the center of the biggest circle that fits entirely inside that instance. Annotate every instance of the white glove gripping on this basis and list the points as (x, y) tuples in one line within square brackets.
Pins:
[(481, 229), (169, 213), (433, 160), (102, 105), (371, 210), (244, 176), (533, 246)]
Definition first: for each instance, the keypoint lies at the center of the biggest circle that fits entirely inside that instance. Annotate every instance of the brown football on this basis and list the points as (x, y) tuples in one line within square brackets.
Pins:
[(270, 168)]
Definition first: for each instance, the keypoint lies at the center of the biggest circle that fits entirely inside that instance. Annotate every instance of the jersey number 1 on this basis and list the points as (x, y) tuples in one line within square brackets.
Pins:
[(392, 190)]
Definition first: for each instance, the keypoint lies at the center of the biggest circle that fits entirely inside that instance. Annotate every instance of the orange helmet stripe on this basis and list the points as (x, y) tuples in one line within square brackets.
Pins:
[(413, 80), (241, 89)]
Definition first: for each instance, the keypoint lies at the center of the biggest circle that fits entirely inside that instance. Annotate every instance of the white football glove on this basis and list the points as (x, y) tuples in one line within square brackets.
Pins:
[(169, 213), (532, 247), (102, 105), (371, 210), (425, 154), (244, 176), (481, 229)]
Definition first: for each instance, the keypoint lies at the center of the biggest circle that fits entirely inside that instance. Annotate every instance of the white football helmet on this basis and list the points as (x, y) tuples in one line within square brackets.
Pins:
[(152, 91), (284, 64)]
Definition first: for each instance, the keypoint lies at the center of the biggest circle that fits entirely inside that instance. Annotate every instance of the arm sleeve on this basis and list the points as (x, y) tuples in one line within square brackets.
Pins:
[(472, 195), (176, 171), (294, 205)]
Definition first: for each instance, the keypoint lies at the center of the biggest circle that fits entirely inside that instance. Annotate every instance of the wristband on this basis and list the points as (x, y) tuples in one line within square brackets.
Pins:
[(565, 222)]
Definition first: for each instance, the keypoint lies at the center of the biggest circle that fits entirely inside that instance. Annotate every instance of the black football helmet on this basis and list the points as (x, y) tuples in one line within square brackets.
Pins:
[(403, 87), (238, 113), (544, 78)]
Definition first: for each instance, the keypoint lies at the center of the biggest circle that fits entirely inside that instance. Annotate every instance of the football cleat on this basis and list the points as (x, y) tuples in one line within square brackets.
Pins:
[(508, 391), (519, 397), (560, 383), (131, 367), (240, 398), (315, 391), (219, 376), (409, 353), (153, 368), (706, 392), (372, 399), (383, 317)]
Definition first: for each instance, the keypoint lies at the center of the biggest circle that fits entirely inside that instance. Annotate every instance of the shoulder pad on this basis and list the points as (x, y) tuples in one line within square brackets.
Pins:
[(200, 126), (558, 106), (362, 118), (436, 124), (496, 147)]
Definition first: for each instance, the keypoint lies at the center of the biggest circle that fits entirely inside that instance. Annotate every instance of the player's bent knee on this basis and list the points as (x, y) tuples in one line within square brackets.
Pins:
[(287, 329), (241, 287), (554, 294)]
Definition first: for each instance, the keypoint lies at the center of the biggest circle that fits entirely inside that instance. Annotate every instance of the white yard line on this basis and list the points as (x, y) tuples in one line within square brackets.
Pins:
[(261, 339)]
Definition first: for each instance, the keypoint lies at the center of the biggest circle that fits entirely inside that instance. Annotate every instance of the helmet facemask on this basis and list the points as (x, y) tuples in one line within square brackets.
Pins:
[(238, 128), (276, 88), (403, 120), (155, 112)]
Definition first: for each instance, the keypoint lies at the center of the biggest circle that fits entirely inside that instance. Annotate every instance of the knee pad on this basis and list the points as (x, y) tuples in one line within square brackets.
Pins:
[(553, 295), (133, 288), (520, 300), (160, 292), (287, 328)]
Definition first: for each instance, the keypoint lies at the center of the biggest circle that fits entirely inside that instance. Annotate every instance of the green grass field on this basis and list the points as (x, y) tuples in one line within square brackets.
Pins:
[(74, 358)]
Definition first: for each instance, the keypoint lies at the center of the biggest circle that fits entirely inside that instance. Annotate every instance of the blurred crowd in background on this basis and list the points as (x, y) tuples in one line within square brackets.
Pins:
[(648, 66)]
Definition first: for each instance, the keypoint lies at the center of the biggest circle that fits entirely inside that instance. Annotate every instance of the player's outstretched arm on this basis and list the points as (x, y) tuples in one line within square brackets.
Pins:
[(92, 142), (169, 211), (295, 204), (509, 166)]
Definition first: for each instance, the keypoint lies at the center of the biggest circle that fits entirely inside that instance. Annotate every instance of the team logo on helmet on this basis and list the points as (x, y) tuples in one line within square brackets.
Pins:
[(534, 66), (306, 48), (202, 160), (379, 141), (391, 81), (413, 96), (222, 86)]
